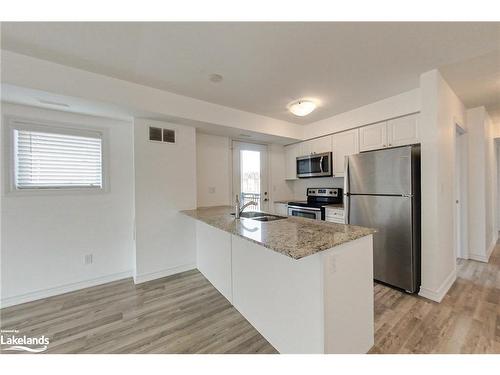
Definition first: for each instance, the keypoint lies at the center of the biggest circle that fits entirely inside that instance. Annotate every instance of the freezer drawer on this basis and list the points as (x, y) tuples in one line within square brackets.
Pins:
[(394, 258)]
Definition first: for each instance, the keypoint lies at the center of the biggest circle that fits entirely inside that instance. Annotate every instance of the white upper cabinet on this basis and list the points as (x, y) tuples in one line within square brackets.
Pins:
[(373, 137), (402, 131), (345, 143), (398, 132), (321, 145), (291, 153), (316, 146)]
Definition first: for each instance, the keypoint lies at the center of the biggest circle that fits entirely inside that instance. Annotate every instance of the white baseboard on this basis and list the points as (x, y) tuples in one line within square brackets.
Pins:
[(479, 257), (489, 250), (139, 279), (40, 294), (438, 295), (492, 244)]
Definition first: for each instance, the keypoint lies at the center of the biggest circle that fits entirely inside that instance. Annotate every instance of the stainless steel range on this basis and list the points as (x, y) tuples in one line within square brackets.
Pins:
[(317, 198)]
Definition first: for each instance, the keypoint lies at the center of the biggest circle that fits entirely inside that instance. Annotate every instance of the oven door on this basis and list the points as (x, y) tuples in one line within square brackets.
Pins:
[(307, 212), (317, 165)]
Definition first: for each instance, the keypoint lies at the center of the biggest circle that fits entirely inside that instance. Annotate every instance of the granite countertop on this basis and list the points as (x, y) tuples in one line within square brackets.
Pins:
[(295, 237)]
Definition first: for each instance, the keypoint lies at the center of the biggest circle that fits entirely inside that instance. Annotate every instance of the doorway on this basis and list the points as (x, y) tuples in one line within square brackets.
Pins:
[(461, 250), (250, 174)]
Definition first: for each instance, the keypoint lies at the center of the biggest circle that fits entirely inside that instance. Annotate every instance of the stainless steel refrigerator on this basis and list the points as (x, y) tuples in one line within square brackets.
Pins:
[(382, 191)]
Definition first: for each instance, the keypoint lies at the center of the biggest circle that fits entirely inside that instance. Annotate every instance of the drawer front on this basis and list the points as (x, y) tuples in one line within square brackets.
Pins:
[(335, 219), (334, 212)]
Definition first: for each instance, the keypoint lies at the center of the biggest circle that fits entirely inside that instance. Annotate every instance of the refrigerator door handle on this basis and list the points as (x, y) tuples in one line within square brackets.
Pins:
[(346, 189)]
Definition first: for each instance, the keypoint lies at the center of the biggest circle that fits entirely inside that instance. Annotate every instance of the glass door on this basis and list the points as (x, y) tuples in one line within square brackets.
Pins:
[(250, 175)]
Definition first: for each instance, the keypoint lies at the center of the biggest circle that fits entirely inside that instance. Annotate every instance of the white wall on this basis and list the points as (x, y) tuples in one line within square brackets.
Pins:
[(45, 237), (165, 183), (491, 186), (440, 111), (497, 144), (483, 228), (280, 189), (213, 170)]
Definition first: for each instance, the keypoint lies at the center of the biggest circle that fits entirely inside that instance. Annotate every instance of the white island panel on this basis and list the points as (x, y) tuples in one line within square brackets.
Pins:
[(213, 253), (349, 313), (280, 296), (322, 303)]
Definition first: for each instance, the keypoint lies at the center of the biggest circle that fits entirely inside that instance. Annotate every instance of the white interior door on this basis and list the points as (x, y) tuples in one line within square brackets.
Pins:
[(250, 174)]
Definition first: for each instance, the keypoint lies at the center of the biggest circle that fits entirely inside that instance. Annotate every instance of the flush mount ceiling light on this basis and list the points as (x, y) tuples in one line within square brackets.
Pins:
[(302, 107)]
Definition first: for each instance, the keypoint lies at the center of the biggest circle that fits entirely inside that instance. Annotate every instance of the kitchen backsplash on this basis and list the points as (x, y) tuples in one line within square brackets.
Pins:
[(300, 186)]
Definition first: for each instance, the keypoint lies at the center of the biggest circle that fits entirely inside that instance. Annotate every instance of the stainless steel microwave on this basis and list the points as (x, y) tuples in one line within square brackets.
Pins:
[(315, 165)]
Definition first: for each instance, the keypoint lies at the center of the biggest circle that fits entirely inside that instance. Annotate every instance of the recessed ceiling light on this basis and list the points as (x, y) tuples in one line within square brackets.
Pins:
[(215, 78), (43, 101), (302, 107)]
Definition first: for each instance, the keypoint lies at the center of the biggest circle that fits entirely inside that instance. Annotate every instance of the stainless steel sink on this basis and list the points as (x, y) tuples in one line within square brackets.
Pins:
[(268, 218), (260, 216)]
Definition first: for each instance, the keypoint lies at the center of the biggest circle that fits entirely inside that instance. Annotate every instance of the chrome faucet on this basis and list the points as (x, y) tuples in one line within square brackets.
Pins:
[(239, 209)]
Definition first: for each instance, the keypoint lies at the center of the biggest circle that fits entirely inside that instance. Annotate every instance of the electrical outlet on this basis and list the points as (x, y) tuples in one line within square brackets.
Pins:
[(88, 259)]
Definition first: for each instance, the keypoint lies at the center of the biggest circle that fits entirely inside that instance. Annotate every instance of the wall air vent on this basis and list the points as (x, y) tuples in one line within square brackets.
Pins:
[(161, 135), (154, 134), (168, 136)]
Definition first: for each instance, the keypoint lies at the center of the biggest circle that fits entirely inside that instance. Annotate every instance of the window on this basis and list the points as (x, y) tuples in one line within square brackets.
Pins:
[(49, 158)]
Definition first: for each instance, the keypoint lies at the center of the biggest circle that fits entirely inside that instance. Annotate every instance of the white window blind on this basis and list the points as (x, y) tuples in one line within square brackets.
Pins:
[(47, 160)]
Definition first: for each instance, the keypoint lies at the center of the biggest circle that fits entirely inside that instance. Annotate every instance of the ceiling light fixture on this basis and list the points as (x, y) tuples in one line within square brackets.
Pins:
[(302, 107)]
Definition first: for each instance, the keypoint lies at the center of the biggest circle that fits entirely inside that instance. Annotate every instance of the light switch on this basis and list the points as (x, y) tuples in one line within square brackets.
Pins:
[(211, 190)]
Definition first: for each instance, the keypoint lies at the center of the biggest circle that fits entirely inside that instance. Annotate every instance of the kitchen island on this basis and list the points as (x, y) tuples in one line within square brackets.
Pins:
[(305, 285)]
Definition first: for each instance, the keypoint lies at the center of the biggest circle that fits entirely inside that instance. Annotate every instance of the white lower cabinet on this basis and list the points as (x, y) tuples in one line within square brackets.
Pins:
[(281, 209), (335, 215), (345, 143), (213, 252)]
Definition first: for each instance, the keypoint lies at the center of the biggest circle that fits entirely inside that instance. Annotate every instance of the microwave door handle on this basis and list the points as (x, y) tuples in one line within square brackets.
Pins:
[(321, 164)]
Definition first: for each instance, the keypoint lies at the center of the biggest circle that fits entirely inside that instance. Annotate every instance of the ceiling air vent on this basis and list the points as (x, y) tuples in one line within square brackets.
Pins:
[(154, 134)]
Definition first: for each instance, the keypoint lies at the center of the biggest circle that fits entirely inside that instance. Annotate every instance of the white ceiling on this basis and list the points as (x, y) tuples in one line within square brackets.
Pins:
[(267, 65), (477, 82)]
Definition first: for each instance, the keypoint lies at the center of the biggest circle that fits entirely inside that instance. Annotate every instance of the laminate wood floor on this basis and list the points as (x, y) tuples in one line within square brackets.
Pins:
[(184, 313)]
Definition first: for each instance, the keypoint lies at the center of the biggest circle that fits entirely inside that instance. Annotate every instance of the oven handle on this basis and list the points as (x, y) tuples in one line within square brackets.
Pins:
[(304, 208)]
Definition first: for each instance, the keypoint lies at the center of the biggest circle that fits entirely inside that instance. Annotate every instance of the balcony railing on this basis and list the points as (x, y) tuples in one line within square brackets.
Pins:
[(249, 197)]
